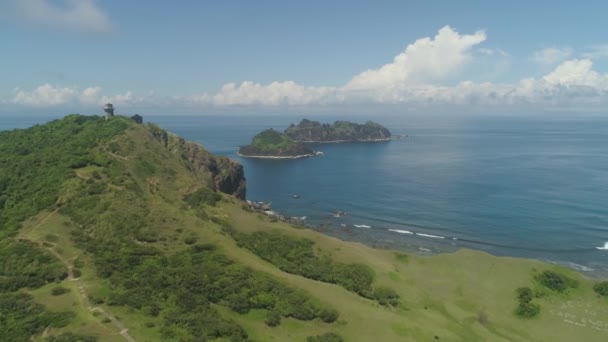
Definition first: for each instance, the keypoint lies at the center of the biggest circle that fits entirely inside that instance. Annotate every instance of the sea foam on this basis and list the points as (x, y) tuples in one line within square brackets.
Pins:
[(401, 231), (361, 226), (603, 248), (431, 236)]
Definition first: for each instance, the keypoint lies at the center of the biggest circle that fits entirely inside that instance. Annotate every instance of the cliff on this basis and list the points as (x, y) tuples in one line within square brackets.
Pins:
[(226, 175), (273, 144), (339, 131)]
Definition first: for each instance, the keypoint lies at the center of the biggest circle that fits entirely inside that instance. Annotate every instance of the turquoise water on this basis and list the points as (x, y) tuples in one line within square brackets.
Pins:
[(509, 186)]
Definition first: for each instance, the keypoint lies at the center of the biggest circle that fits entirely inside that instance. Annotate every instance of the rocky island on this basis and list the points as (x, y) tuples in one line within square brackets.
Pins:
[(273, 144), (340, 131)]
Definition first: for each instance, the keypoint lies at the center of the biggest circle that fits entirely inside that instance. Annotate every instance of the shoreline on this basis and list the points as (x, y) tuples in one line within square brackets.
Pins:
[(432, 245), (348, 141), (279, 157)]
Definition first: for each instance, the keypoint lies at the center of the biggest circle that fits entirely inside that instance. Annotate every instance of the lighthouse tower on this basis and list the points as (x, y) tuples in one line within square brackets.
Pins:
[(109, 109)]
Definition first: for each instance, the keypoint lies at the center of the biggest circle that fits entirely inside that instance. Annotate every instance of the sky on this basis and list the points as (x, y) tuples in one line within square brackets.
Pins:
[(260, 57)]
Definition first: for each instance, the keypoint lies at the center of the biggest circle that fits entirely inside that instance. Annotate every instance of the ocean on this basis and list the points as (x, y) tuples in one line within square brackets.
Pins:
[(510, 186)]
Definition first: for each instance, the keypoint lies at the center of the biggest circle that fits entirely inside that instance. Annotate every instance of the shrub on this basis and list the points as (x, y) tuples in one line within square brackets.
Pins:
[(328, 315), (524, 294), (386, 296), (190, 240), (59, 290), (555, 281), (527, 310), (601, 288), (273, 318)]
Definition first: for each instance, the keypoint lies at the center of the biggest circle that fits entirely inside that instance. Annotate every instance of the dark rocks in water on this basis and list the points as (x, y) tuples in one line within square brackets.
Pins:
[(339, 131)]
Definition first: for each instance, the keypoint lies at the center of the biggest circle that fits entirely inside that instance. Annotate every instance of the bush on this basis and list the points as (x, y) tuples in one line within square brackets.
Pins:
[(327, 337), (601, 288), (190, 240), (386, 296), (273, 318), (555, 281), (524, 294), (527, 310), (328, 315), (59, 290)]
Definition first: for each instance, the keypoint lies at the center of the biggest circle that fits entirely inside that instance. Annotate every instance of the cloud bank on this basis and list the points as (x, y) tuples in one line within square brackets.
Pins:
[(416, 76)]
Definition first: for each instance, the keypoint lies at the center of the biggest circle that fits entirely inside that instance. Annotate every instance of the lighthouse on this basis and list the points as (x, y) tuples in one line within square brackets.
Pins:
[(109, 109)]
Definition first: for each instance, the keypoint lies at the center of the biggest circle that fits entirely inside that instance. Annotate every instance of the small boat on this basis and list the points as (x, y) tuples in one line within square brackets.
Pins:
[(295, 196)]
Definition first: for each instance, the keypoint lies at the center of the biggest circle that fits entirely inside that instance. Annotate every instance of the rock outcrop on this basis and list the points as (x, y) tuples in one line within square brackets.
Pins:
[(225, 174)]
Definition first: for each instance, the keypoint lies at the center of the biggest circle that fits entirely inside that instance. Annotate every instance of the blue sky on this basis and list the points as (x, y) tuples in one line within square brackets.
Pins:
[(263, 56)]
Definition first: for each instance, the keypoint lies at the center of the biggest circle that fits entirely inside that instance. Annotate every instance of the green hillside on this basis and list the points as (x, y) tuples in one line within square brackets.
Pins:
[(112, 230), (273, 143)]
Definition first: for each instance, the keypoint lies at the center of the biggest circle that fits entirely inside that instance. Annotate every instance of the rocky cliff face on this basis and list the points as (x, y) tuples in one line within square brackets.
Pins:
[(226, 175), (314, 131)]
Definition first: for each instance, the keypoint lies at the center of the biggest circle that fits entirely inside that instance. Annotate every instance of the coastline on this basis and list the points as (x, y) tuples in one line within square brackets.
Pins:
[(279, 157), (349, 141)]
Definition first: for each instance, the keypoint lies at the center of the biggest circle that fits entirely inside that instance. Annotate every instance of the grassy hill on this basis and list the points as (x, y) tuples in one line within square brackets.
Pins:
[(117, 231), (273, 143)]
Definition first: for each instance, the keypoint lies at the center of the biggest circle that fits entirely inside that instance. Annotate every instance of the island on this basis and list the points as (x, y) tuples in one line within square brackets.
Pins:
[(272, 144), (309, 131)]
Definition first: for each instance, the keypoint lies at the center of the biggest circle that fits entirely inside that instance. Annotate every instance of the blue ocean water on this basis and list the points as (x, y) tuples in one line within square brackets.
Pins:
[(509, 186)]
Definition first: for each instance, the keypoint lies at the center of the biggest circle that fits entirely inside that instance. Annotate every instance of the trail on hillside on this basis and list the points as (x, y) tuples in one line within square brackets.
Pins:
[(81, 289)]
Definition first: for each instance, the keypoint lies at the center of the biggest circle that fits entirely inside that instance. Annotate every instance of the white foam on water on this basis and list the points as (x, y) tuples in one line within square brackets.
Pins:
[(424, 249), (401, 231), (603, 248), (431, 236), (361, 226)]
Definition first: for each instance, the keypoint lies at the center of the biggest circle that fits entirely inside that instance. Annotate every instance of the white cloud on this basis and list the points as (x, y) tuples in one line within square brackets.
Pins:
[(551, 56), (411, 79), (275, 93), (426, 60), (48, 95), (79, 15)]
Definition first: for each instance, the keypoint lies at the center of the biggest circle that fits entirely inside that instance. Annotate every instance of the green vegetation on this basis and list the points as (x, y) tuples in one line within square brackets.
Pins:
[(58, 148), (59, 290), (526, 309), (24, 265), (271, 140), (274, 143), (314, 131), (555, 281), (297, 256), (134, 211), (601, 288), (21, 317)]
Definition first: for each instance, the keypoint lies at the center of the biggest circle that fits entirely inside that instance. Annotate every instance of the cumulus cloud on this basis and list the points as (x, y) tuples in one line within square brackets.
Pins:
[(413, 77), (425, 60), (551, 56), (48, 95), (79, 15), (275, 93)]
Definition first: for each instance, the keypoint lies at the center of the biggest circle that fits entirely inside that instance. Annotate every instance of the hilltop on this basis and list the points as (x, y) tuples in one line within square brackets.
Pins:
[(273, 144), (113, 230), (339, 131)]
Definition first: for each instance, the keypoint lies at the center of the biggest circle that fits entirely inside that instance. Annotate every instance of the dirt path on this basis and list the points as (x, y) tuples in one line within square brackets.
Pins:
[(83, 293)]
